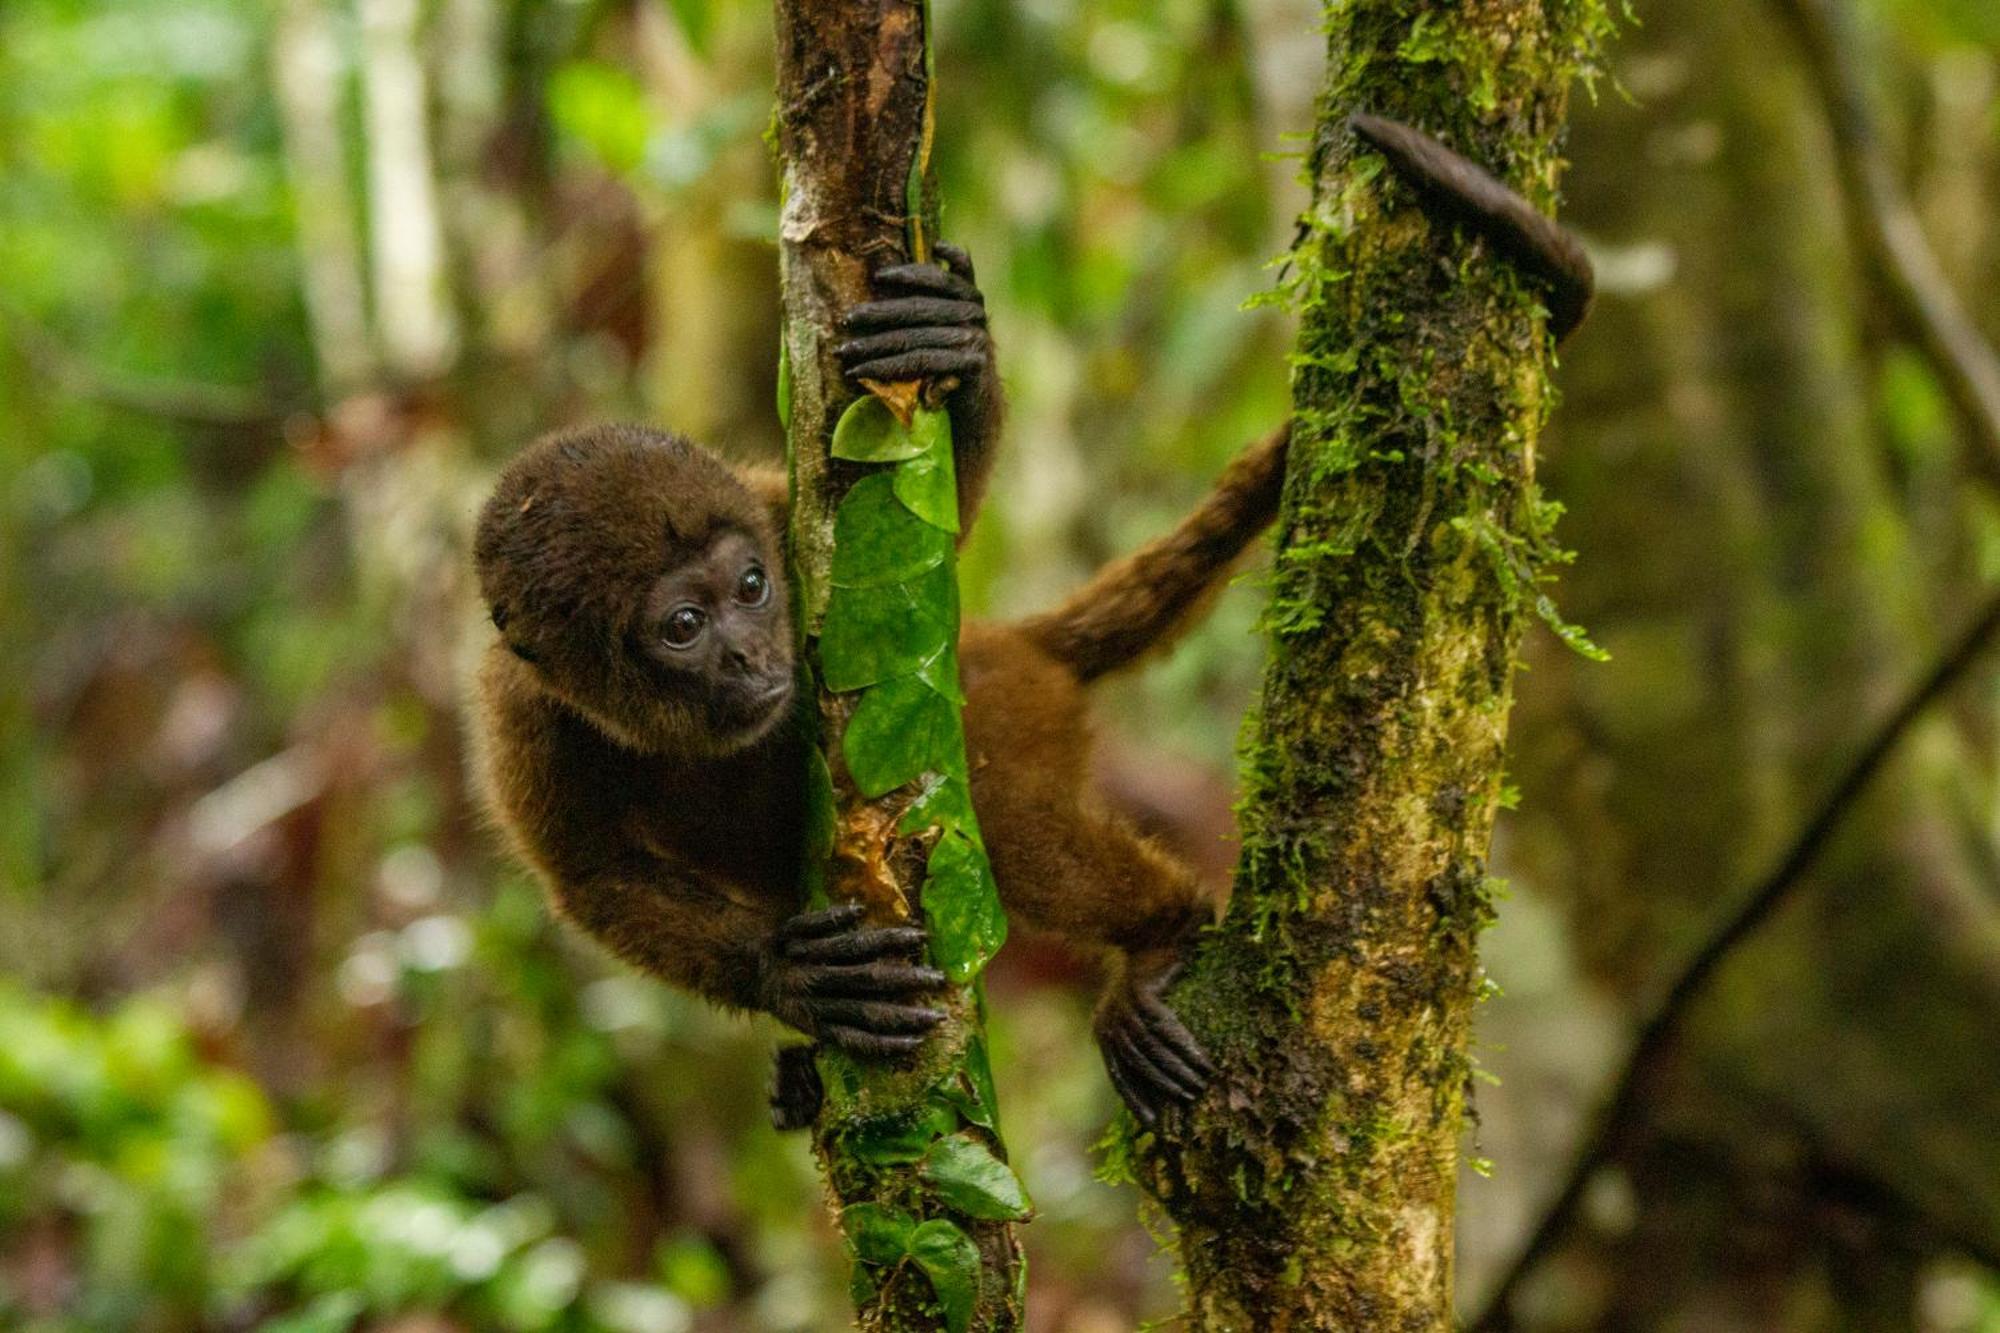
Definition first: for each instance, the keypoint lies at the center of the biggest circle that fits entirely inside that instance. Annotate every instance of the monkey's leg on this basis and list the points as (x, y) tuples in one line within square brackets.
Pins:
[(796, 1092), (856, 986), (1087, 876), (1461, 189)]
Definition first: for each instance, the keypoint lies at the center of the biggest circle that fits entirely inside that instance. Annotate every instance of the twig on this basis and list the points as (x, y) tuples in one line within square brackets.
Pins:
[(1662, 1029), (192, 406), (1891, 237)]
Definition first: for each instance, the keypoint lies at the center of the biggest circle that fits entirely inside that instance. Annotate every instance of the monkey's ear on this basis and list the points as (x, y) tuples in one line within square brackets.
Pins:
[(501, 615)]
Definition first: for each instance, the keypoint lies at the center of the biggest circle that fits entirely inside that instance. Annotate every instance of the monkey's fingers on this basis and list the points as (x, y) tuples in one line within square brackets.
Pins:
[(925, 364), (880, 1017), (811, 925), (1129, 1090), (872, 980), (928, 280), (873, 1045), (1155, 1063), (956, 259), (1165, 1025), (909, 311), (858, 946), (856, 351)]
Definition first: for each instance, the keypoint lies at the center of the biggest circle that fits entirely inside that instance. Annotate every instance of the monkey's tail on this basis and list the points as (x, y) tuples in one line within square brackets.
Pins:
[(1145, 600)]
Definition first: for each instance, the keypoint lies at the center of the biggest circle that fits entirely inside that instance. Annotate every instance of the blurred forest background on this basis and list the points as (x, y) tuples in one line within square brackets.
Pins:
[(285, 1044)]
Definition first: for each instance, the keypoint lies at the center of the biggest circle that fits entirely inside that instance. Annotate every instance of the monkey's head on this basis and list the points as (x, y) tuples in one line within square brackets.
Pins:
[(640, 580)]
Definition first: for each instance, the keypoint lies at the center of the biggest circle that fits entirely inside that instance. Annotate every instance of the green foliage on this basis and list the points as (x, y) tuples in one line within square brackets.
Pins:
[(890, 632)]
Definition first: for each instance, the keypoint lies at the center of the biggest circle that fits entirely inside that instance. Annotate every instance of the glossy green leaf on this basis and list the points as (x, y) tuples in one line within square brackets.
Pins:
[(875, 634), (951, 1261), (945, 802), (877, 541), (784, 384), (889, 1140), (822, 816), (963, 906), (970, 1090), (902, 730), (927, 483), (868, 432), (941, 674), (879, 1234), (975, 1182)]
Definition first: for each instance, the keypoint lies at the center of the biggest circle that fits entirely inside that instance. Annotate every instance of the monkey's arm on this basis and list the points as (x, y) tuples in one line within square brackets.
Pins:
[(824, 973), (554, 785)]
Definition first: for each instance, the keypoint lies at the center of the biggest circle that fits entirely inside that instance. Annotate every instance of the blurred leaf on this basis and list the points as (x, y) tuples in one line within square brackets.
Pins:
[(950, 1259), (971, 1179)]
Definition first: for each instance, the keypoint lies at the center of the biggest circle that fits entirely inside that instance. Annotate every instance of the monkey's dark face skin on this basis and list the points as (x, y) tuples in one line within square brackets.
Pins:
[(718, 630)]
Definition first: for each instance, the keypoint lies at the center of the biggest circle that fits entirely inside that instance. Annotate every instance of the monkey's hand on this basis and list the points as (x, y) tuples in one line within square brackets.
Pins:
[(1153, 1060), (852, 985), (927, 322)]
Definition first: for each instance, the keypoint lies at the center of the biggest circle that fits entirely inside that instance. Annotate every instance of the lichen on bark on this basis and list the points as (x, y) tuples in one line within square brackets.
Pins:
[(1314, 1188)]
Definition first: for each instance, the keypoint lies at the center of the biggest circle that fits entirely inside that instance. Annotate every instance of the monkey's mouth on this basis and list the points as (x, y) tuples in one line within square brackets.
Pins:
[(747, 714)]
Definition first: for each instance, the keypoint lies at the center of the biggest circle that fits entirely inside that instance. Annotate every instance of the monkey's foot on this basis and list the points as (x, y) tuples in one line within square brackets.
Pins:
[(928, 322), (796, 1092), (855, 986), (1153, 1060)]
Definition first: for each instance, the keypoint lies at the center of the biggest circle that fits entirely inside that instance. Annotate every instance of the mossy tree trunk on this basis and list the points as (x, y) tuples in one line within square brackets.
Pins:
[(1314, 1187), (912, 1151)]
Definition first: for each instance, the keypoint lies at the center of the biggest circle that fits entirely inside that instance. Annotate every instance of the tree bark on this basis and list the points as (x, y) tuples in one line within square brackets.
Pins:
[(912, 1155), (1314, 1188)]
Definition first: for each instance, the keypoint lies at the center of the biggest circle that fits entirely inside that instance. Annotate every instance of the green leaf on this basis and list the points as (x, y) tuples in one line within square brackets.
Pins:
[(868, 432), (877, 541), (874, 634), (941, 674), (951, 1261), (970, 1088), (975, 1182), (784, 384), (822, 815), (880, 1235), (963, 906), (927, 483), (945, 803), (891, 1140), (902, 730)]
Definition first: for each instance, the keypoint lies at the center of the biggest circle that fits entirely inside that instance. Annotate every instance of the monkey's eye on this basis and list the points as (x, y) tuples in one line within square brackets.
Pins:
[(683, 627), (754, 588)]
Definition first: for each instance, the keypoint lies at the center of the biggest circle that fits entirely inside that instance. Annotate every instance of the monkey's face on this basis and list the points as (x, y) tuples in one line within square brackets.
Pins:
[(717, 629), (638, 578)]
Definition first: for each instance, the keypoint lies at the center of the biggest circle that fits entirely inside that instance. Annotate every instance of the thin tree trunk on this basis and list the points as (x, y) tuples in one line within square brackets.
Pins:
[(1314, 1190), (912, 1153)]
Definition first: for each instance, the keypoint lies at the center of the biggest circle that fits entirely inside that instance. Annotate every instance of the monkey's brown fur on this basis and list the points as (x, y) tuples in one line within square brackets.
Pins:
[(681, 855), (665, 810)]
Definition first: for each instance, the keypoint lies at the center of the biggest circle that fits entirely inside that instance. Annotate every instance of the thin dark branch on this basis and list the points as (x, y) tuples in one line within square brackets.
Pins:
[(1662, 1029), (1887, 229), (193, 406)]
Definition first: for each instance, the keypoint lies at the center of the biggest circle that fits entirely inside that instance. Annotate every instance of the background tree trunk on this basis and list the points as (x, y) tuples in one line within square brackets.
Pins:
[(913, 1155), (1315, 1188)]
